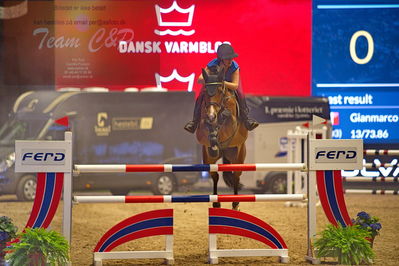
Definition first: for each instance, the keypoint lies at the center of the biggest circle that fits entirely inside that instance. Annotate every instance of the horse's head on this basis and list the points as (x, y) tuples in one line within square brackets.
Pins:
[(214, 96), (214, 100)]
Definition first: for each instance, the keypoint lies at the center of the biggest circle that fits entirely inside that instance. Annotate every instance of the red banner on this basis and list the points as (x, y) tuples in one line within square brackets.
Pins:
[(147, 43)]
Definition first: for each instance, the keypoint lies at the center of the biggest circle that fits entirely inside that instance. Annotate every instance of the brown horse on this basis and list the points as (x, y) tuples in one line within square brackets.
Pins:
[(220, 132)]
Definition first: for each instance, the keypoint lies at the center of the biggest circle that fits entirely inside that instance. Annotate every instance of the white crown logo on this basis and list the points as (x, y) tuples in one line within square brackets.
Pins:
[(190, 79), (15, 11), (159, 11)]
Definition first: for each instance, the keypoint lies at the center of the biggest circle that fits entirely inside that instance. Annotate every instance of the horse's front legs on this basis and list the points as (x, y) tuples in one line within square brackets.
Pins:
[(215, 178)]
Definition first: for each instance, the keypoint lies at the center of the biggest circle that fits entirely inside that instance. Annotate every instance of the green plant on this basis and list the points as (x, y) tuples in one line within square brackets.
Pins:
[(38, 242), (7, 229), (348, 244)]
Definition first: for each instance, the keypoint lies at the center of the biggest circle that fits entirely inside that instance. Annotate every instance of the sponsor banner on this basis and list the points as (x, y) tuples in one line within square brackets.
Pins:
[(43, 156), (164, 43), (335, 154), (287, 109)]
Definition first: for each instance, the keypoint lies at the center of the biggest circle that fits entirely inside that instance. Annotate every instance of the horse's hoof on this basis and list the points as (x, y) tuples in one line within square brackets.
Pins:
[(216, 205), (236, 206)]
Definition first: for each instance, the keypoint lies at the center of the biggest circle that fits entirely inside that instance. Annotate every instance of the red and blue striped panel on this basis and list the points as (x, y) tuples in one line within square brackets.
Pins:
[(331, 194), (48, 195), (230, 222), (152, 223)]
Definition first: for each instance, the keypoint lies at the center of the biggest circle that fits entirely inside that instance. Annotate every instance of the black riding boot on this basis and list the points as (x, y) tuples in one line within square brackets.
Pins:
[(192, 125), (249, 123)]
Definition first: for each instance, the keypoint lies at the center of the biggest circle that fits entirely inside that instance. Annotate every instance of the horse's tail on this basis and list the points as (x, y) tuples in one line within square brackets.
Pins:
[(228, 177)]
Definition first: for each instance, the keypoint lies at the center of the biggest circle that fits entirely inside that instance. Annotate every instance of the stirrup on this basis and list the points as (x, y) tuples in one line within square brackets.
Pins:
[(251, 124), (191, 126)]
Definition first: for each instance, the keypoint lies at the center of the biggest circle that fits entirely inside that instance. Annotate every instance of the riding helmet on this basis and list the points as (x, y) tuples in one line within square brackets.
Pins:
[(226, 51)]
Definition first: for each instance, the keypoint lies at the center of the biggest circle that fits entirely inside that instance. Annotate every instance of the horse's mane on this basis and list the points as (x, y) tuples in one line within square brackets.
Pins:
[(215, 70)]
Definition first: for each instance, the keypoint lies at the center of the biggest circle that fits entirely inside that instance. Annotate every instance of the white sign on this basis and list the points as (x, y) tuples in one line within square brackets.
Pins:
[(43, 156), (331, 154)]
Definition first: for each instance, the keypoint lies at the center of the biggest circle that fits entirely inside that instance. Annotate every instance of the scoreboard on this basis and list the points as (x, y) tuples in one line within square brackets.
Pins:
[(355, 63)]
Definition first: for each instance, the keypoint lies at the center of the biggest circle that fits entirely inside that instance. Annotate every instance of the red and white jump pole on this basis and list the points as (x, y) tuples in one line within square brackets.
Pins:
[(378, 165), (126, 168), (190, 198), (381, 152), (371, 191)]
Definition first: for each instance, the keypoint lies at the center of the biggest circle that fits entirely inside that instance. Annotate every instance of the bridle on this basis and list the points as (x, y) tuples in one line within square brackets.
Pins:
[(213, 130), (220, 104)]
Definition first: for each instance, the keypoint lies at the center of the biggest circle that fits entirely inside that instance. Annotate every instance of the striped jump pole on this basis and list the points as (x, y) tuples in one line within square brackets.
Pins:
[(371, 191), (370, 179), (381, 152), (190, 198), (126, 168), (378, 165)]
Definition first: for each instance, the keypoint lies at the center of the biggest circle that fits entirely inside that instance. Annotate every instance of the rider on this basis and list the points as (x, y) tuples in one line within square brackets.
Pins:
[(225, 55)]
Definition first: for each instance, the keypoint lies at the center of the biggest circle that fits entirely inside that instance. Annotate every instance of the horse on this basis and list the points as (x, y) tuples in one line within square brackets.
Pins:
[(220, 131)]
